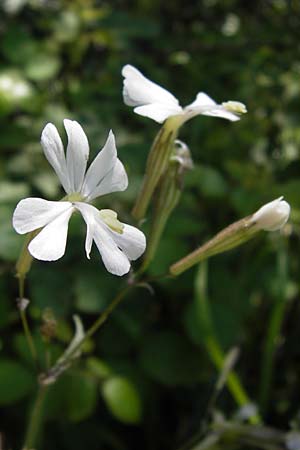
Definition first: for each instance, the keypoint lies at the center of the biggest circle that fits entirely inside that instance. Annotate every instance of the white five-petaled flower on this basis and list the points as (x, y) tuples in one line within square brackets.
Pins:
[(272, 216), (151, 100), (118, 243)]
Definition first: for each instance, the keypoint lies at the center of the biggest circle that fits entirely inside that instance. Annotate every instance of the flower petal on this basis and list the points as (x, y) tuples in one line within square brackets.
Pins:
[(54, 152), (115, 261), (102, 164), (158, 111), (206, 106), (115, 180), (138, 90), (77, 154), (50, 243), (33, 213), (132, 241), (202, 99), (88, 213)]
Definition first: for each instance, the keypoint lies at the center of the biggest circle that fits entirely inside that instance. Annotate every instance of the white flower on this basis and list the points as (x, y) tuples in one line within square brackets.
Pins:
[(151, 100), (272, 216), (118, 243)]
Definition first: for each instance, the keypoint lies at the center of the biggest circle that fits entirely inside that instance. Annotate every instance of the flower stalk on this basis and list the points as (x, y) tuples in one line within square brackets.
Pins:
[(232, 236), (22, 268), (270, 217)]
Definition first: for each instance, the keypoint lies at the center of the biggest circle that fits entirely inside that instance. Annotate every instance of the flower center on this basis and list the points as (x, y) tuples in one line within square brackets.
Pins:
[(111, 219), (74, 197)]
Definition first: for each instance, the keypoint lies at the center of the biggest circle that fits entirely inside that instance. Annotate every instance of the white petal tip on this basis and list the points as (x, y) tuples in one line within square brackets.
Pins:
[(272, 216)]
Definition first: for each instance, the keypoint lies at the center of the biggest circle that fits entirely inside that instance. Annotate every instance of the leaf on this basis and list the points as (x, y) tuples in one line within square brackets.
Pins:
[(122, 399), (42, 67), (15, 382), (73, 396), (10, 242), (80, 396)]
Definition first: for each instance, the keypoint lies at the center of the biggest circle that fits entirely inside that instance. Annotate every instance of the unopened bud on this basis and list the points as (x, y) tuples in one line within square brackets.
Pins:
[(22, 303), (272, 216), (167, 195)]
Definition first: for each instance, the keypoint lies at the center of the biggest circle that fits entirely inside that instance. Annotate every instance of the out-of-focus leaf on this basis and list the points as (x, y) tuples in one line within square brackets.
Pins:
[(208, 181), (81, 396), (42, 67), (11, 192), (122, 399), (15, 382), (73, 396), (10, 242)]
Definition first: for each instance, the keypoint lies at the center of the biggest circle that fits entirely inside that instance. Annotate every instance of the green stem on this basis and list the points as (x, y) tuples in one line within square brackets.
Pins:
[(28, 335), (211, 343), (273, 332), (104, 316), (22, 268), (35, 419), (24, 320), (233, 383), (235, 234), (156, 164), (55, 371)]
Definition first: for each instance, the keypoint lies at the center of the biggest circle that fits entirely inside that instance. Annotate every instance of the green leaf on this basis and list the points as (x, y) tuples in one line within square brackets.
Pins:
[(15, 382), (42, 67), (10, 242), (81, 396), (74, 396), (122, 399)]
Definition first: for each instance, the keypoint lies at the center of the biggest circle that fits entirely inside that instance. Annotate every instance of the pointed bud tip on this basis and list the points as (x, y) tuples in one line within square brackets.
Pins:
[(272, 216)]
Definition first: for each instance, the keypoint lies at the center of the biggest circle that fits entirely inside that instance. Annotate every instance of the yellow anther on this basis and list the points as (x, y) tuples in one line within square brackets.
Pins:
[(111, 219), (235, 107)]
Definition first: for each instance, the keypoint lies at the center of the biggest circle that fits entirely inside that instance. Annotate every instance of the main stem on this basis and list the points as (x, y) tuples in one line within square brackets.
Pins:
[(35, 419)]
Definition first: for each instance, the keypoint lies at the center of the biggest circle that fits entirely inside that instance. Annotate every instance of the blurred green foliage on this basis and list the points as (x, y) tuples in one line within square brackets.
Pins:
[(151, 378)]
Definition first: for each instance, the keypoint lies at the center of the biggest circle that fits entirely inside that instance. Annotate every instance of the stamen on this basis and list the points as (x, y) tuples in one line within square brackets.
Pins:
[(111, 219), (235, 107)]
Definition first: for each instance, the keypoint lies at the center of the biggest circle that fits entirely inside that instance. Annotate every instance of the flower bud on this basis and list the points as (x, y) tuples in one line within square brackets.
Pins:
[(272, 216), (167, 195)]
